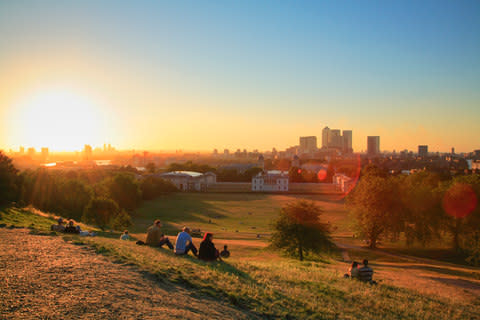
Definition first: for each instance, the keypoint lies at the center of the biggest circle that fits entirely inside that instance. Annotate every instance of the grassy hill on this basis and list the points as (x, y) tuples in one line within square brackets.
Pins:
[(269, 285), (234, 215)]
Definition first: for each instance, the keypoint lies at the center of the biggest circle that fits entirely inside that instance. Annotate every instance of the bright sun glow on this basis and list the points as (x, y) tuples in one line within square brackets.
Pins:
[(58, 119)]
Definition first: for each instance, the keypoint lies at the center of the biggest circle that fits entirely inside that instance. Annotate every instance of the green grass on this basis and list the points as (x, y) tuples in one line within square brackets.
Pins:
[(245, 215), (267, 284), (18, 218)]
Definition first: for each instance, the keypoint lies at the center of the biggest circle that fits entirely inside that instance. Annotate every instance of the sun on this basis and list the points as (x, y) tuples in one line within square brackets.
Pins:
[(61, 119)]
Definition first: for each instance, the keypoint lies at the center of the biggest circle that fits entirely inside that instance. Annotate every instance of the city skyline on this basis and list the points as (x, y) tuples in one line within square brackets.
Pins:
[(250, 75)]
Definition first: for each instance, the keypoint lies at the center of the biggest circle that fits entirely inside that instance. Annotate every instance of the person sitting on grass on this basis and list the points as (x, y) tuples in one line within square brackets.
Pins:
[(155, 237), (184, 243), (365, 273), (207, 251), (352, 271), (225, 253), (70, 228), (125, 235), (59, 227)]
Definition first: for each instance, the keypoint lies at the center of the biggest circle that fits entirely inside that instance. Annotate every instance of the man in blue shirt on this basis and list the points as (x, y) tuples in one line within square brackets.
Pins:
[(184, 243)]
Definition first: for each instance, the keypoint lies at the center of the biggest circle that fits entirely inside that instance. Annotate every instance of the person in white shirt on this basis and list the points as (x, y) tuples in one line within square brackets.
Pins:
[(184, 243)]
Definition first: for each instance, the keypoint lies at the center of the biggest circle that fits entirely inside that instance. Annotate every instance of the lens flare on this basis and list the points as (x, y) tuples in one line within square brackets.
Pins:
[(459, 200), (322, 175)]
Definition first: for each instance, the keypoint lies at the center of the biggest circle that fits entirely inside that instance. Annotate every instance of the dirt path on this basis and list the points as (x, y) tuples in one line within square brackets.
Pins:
[(46, 278)]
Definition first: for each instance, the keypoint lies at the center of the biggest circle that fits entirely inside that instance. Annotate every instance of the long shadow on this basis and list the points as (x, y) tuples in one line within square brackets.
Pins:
[(462, 283), (441, 270)]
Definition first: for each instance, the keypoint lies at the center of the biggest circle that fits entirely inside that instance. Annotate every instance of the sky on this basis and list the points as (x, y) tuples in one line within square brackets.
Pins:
[(198, 75)]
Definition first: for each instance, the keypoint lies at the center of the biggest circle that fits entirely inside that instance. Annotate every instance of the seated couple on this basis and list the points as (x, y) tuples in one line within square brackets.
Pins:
[(364, 273)]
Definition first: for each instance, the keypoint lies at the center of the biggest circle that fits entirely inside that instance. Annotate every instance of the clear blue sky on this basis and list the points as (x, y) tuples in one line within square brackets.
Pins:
[(253, 74)]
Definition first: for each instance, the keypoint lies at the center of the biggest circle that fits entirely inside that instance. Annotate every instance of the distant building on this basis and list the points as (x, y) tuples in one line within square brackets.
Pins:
[(226, 152), (190, 180), (342, 182), (335, 139), (21, 151), (87, 152), (422, 151), (270, 181), (44, 154), (31, 152), (261, 162), (347, 141), (373, 145), (296, 161), (308, 144), (325, 137)]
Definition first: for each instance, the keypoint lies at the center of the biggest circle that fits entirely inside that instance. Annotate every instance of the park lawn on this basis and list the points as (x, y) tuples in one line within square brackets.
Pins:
[(227, 214), (260, 280)]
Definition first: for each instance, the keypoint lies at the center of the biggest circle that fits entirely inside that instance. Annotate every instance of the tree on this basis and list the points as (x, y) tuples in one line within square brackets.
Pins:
[(100, 212), (8, 180), (421, 210), (124, 190), (153, 187), (75, 197), (150, 167), (374, 204), (299, 230)]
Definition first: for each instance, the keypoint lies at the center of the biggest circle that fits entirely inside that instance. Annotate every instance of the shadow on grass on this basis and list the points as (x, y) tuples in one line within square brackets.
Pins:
[(436, 269)]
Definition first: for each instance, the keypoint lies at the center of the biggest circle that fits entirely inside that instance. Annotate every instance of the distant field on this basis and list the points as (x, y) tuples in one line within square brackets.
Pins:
[(237, 215)]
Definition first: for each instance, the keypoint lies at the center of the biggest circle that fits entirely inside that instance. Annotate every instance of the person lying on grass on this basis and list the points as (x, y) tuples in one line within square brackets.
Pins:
[(184, 243), (207, 251), (155, 237)]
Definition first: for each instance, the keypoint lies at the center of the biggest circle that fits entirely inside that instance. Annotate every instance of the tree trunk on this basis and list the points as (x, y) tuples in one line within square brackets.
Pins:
[(300, 252)]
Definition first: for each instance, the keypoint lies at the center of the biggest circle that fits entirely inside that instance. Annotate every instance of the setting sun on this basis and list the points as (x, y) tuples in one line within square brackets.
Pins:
[(58, 118)]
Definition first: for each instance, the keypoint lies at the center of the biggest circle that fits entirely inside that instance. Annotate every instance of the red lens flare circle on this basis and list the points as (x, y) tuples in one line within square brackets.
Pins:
[(322, 175), (459, 200)]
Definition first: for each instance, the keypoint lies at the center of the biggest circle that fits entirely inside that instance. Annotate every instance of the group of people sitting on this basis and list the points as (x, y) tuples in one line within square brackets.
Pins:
[(70, 227), (364, 273), (183, 244)]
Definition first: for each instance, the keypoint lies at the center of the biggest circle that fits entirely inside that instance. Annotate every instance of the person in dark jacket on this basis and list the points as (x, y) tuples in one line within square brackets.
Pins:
[(207, 251), (70, 228)]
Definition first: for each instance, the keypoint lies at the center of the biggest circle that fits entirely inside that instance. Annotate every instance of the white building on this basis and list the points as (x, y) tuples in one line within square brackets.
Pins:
[(342, 182), (273, 180), (190, 180)]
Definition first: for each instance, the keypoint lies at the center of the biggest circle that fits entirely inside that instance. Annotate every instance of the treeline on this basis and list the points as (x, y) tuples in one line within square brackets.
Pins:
[(422, 208), (106, 198), (223, 174)]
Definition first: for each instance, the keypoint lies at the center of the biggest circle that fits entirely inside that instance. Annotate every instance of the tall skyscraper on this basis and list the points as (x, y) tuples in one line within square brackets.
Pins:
[(373, 145), (308, 144), (325, 137), (335, 139), (347, 141), (423, 151), (87, 152)]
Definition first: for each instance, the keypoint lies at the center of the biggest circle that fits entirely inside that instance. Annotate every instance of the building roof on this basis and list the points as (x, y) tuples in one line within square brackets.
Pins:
[(191, 174)]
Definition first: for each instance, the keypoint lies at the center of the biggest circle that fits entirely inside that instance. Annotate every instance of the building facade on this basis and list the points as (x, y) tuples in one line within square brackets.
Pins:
[(373, 145), (422, 151), (190, 180), (308, 144), (270, 181)]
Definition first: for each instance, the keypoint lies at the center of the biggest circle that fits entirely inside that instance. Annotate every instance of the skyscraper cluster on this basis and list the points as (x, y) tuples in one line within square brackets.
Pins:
[(335, 139)]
